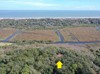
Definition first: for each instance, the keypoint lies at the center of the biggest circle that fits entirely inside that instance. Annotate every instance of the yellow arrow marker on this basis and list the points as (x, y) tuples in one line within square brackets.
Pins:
[(59, 64)]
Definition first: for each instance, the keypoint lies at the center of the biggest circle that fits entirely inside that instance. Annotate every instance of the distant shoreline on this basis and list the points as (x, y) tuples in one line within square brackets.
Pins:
[(50, 18), (45, 14)]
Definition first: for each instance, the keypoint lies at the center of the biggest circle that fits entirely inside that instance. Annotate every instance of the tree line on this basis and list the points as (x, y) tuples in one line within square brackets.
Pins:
[(48, 23)]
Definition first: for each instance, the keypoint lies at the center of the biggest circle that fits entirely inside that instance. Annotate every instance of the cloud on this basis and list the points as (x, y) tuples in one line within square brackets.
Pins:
[(85, 7), (78, 7), (36, 3), (50, 4)]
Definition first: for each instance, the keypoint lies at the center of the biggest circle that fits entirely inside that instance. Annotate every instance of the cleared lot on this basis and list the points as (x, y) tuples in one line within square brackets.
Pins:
[(74, 34), (81, 34), (44, 35), (6, 32)]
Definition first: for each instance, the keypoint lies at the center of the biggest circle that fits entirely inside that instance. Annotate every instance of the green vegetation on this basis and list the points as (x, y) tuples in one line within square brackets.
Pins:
[(38, 57), (31, 42), (42, 24), (43, 61)]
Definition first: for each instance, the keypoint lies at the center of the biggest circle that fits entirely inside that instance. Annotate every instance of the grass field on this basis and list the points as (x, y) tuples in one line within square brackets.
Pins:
[(74, 34), (81, 34), (67, 36), (5, 32), (45, 35)]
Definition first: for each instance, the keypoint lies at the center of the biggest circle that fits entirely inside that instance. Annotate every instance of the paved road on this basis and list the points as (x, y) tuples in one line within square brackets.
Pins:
[(11, 36), (60, 35)]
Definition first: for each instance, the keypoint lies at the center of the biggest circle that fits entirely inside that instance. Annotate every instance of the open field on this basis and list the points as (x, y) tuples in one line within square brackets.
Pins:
[(72, 34), (66, 35), (81, 34), (5, 44), (5, 32), (45, 35)]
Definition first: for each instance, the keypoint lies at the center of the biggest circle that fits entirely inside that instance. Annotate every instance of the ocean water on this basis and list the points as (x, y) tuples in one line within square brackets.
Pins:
[(47, 13)]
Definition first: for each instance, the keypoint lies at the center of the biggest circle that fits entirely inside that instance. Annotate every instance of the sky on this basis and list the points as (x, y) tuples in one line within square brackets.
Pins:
[(49, 4)]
